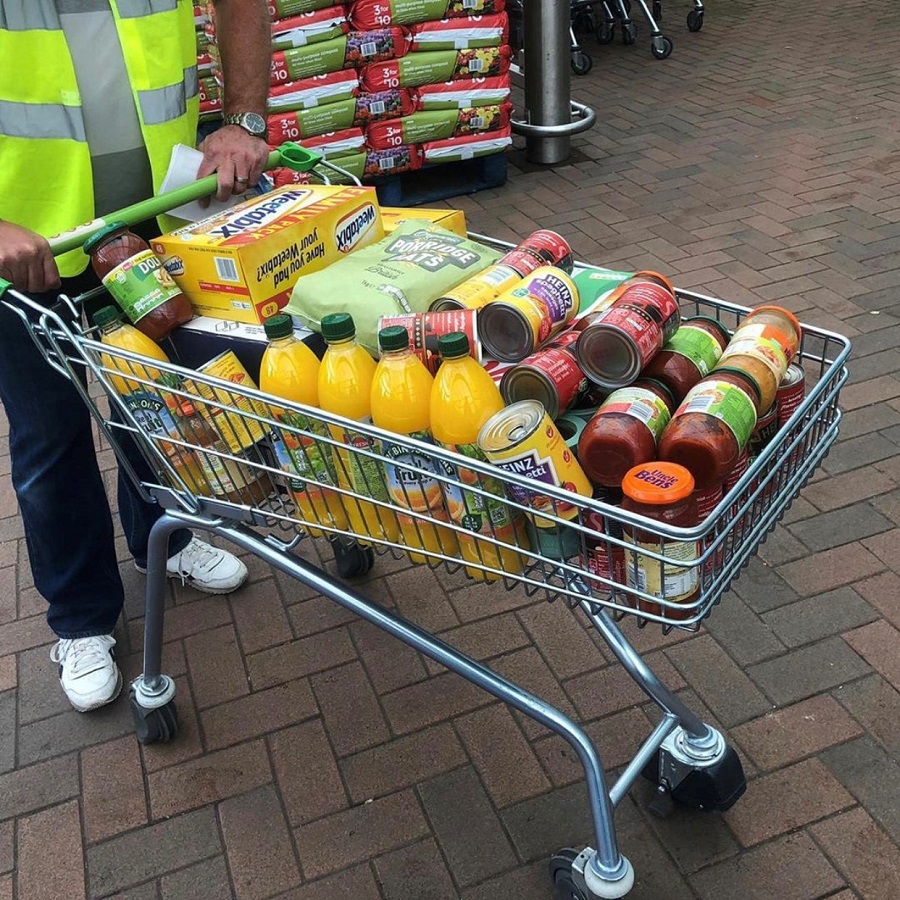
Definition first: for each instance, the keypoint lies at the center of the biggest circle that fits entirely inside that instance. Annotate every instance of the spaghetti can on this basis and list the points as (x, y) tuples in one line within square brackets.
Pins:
[(521, 319), (239, 429), (425, 329), (551, 375), (522, 439), (541, 248), (790, 392), (479, 290), (617, 343), (766, 429)]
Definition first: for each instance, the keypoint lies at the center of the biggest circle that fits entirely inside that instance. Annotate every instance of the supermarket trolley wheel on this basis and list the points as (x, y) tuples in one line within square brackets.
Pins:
[(606, 31), (711, 788), (352, 560), (581, 63), (154, 726), (564, 887), (695, 20), (629, 33), (664, 51)]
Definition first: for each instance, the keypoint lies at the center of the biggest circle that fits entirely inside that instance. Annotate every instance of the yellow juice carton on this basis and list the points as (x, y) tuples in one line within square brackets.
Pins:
[(241, 264), (452, 219)]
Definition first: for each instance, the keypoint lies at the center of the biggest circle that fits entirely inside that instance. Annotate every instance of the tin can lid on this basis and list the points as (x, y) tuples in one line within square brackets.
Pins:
[(392, 338), (608, 356), (278, 326), (658, 483), (338, 327), (512, 425), (505, 332), (453, 345), (527, 383)]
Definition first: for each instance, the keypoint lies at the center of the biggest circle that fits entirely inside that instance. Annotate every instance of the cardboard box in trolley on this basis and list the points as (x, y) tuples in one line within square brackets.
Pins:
[(241, 264)]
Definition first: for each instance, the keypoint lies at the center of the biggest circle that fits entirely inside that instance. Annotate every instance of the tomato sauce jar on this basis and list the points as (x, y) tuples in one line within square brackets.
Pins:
[(663, 492), (137, 280), (712, 426), (624, 431), (691, 354)]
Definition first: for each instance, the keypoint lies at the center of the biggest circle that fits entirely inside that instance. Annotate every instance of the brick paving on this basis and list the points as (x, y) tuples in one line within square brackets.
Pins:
[(318, 759)]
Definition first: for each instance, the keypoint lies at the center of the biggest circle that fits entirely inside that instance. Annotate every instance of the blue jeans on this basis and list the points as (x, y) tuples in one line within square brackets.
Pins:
[(68, 527)]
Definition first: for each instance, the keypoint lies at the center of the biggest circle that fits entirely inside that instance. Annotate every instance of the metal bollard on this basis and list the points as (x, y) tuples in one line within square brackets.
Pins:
[(547, 77)]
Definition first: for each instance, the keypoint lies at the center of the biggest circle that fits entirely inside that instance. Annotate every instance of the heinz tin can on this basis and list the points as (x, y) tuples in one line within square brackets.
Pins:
[(616, 344), (766, 429), (790, 392), (479, 290), (520, 320), (542, 248), (522, 439), (551, 375)]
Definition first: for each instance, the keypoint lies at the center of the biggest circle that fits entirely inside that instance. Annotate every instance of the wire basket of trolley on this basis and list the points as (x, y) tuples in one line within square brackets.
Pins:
[(266, 472)]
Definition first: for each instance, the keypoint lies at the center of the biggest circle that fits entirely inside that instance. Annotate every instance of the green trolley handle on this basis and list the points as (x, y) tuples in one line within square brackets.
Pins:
[(290, 155)]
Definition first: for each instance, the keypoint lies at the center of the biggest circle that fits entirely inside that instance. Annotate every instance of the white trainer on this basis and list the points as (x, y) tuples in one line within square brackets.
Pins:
[(87, 670), (206, 568)]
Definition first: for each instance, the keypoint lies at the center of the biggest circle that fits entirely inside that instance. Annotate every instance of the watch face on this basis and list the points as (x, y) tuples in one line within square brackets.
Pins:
[(254, 123)]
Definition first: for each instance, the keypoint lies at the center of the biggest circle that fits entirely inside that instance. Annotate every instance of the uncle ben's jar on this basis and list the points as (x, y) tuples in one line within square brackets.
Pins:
[(663, 492), (135, 277)]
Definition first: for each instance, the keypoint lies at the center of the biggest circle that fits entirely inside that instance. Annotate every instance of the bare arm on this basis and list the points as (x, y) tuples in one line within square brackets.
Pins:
[(245, 46), (25, 259)]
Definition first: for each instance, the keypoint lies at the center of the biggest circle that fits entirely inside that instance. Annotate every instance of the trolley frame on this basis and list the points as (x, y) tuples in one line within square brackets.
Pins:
[(689, 760)]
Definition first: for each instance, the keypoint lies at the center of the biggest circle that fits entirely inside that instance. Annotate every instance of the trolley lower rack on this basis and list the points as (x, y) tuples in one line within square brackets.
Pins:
[(689, 760)]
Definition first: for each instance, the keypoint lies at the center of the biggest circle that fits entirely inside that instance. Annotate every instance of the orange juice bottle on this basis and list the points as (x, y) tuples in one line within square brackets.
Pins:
[(401, 396), (463, 398), (345, 384), (290, 370)]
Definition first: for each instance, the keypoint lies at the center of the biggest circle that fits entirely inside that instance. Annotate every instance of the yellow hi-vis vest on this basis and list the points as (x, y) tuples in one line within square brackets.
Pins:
[(45, 163)]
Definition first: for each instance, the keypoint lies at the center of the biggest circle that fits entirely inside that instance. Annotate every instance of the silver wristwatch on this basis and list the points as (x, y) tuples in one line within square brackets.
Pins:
[(252, 123)]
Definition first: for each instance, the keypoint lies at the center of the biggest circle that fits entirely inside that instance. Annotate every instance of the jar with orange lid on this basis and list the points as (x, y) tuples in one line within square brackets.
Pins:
[(712, 426), (664, 492), (690, 354), (624, 431), (763, 346)]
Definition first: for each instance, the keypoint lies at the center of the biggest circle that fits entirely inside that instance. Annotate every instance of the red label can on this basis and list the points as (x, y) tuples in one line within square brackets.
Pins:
[(551, 375), (425, 329), (766, 429), (602, 557), (542, 248), (737, 470), (621, 340), (790, 392)]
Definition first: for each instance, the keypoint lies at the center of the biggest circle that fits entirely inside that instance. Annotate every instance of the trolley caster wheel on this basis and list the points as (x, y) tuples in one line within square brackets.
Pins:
[(695, 20), (154, 726), (657, 11), (713, 788), (561, 877), (664, 51), (629, 33), (581, 63), (352, 560), (606, 31)]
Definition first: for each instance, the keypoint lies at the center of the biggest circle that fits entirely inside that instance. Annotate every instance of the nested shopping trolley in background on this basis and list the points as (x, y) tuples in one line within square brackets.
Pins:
[(690, 761)]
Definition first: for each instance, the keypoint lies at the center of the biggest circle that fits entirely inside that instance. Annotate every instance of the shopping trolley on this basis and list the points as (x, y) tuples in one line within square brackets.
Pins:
[(613, 11), (688, 760)]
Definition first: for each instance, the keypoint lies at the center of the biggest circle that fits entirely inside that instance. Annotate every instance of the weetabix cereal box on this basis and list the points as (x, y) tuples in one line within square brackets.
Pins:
[(241, 264)]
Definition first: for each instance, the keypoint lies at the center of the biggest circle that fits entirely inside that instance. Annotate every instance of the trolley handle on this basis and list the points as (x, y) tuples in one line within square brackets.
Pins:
[(290, 154)]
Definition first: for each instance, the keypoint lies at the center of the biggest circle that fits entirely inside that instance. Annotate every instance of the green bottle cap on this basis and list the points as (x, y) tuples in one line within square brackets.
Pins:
[(453, 345), (396, 337), (338, 327), (98, 237), (278, 326), (107, 315)]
